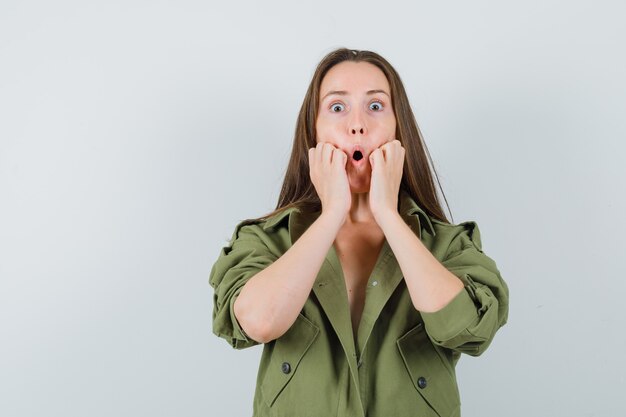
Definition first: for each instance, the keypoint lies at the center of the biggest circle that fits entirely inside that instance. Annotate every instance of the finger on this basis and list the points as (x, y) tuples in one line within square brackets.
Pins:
[(398, 147), (327, 153), (392, 150), (376, 157), (400, 150), (389, 149), (340, 157), (319, 152)]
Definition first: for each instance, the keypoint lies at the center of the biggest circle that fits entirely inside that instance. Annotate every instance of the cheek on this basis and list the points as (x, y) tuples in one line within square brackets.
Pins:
[(388, 121), (325, 131), (325, 126)]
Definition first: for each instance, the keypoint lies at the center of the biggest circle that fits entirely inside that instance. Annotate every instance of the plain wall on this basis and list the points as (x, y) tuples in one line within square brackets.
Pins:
[(135, 135)]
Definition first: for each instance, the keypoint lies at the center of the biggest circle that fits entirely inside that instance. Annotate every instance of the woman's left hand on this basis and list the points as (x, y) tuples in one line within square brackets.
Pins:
[(387, 165)]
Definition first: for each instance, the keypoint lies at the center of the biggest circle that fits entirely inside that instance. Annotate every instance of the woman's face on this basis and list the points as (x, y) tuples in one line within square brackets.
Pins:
[(355, 113)]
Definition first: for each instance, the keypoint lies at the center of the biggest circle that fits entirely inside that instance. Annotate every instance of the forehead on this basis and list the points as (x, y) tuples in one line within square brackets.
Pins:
[(354, 77)]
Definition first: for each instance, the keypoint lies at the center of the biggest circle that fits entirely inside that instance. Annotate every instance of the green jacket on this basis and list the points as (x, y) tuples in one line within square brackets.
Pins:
[(403, 361)]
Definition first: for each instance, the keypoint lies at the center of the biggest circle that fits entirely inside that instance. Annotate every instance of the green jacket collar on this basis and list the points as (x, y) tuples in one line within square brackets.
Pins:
[(299, 222)]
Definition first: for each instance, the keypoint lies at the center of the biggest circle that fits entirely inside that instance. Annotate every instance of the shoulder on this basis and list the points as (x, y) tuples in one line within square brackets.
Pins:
[(270, 231), (457, 236), (248, 229)]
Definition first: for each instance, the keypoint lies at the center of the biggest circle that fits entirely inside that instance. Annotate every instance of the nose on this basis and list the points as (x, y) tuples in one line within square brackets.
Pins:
[(357, 126)]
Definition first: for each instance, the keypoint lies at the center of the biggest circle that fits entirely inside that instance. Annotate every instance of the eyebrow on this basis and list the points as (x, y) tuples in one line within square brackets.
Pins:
[(343, 93)]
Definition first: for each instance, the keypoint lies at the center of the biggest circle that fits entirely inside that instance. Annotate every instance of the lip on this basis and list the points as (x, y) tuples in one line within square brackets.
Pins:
[(361, 162)]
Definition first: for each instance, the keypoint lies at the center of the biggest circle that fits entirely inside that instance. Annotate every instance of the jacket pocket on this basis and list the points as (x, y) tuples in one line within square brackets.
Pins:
[(286, 356), (433, 379)]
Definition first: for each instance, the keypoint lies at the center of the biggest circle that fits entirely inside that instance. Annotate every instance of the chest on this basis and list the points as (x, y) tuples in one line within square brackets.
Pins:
[(358, 251)]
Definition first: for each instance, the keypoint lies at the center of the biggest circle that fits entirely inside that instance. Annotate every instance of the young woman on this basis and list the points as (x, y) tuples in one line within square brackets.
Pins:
[(361, 291)]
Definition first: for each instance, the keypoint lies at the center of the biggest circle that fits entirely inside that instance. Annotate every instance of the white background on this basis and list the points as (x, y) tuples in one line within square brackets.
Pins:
[(135, 135)]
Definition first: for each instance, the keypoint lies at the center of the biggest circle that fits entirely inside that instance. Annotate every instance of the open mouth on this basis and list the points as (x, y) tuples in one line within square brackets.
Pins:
[(357, 155)]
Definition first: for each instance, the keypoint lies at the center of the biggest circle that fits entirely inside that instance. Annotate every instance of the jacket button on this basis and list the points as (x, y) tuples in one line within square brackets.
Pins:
[(286, 367), (421, 382)]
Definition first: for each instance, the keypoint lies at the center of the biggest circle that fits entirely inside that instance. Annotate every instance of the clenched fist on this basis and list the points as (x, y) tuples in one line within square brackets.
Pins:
[(327, 168)]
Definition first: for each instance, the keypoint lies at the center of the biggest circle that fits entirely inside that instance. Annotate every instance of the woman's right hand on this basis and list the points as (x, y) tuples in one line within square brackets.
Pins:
[(327, 168)]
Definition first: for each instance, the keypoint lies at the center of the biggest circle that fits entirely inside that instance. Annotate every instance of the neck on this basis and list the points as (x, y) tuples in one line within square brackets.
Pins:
[(360, 211)]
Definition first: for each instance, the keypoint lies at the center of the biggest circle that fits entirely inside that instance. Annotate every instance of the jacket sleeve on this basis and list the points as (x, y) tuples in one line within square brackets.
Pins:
[(468, 323), (245, 256)]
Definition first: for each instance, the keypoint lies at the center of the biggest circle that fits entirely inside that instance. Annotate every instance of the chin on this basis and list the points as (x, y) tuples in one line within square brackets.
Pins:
[(358, 187)]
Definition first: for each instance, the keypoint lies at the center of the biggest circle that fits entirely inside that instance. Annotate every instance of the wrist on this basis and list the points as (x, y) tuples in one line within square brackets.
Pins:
[(387, 217), (333, 219)]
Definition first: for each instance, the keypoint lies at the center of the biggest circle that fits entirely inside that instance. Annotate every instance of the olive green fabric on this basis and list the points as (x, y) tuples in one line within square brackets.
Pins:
[(403, 360)]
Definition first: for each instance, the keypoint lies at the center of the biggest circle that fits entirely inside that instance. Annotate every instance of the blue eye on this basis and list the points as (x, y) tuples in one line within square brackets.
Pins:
[(378, 103), (333, 106)]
